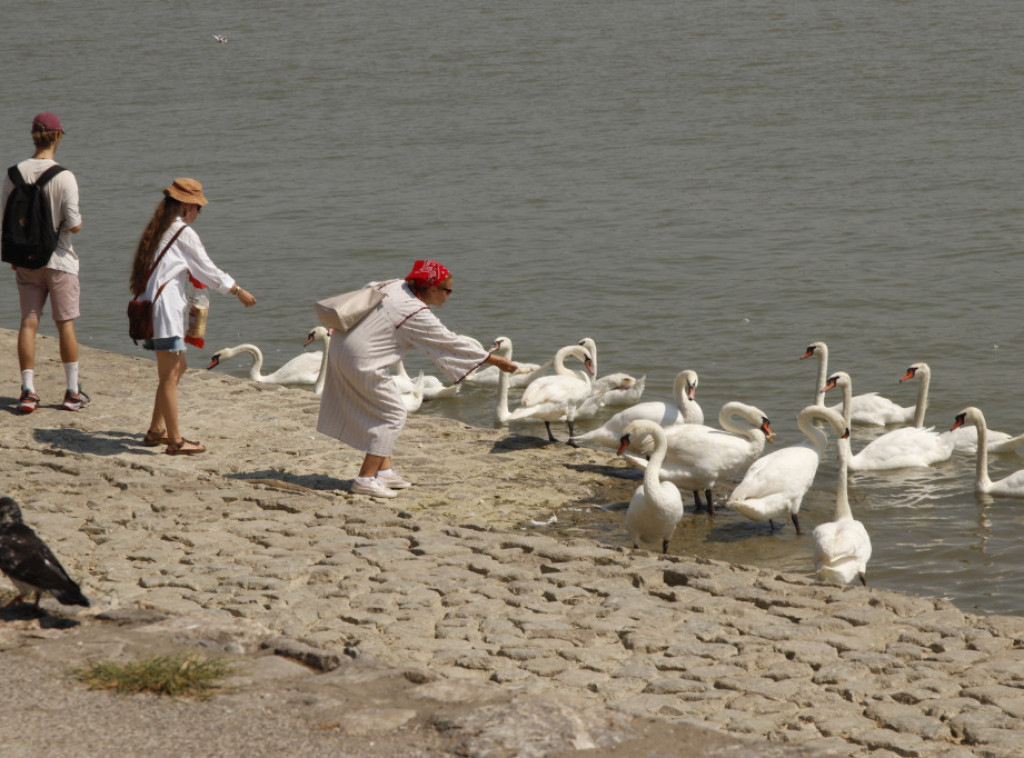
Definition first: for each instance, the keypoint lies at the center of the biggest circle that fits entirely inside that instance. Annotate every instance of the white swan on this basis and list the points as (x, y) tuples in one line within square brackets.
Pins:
[(552, 398), (965, 439), (1010, 486), (432, 388), (612, 390), (775, 484), (685, 410), (656, 506), (323, 334), (491, 376), (304, 368), (842, 547), (868, 409), (699, 457), (412, 395), (908, 447)]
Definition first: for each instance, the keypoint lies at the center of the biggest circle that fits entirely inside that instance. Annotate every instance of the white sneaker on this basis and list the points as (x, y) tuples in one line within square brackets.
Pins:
[(393, 480), (374, 488)]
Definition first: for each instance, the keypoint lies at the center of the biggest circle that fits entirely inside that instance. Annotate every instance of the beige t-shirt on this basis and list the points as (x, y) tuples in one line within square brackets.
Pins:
[(63, 193)]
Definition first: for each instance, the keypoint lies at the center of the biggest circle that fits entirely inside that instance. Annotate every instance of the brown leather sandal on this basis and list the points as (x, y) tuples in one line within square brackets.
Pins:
[(184, 447), (155, 438)]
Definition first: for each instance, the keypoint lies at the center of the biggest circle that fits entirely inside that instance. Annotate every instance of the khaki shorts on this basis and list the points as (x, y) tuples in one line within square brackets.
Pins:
[(34, 285)]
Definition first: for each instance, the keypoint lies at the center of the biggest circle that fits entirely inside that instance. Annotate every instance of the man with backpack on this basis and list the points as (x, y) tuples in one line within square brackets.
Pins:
[(40, 213)]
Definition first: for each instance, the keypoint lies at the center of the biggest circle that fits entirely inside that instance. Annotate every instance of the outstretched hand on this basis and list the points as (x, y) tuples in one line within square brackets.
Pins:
[(502, 363)]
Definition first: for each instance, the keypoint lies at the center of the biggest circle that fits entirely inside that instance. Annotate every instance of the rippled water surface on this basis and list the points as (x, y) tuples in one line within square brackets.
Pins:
[(695, 185)]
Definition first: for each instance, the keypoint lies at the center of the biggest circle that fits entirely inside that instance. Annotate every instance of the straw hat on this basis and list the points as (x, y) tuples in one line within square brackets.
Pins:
[(187, 191)]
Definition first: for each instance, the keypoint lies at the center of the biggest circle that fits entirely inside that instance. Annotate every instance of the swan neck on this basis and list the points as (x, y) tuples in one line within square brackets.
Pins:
[(819, 393), (814, 435), (922, 399), (652, 473), (256, 369), (981, 459), (321, 377), (501, 411), (842, 480)]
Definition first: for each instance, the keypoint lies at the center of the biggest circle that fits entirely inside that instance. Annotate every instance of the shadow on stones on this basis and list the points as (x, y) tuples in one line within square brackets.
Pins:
[(521, 442), (106, 442), (28, 612), (273, 477)]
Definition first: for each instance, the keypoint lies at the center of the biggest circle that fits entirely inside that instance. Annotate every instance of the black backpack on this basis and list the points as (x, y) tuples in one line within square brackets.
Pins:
[(29, 235)]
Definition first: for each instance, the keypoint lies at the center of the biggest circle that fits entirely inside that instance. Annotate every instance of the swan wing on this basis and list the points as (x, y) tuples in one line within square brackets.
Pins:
[(842, 550), (774, 486), (304, 368), (907, 447), (872, 409)]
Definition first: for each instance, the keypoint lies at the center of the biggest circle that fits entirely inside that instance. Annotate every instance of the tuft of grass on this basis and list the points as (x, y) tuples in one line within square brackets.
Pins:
[(176, 676)]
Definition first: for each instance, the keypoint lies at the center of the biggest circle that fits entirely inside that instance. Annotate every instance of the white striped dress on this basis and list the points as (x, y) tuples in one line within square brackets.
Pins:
[(361, 405)]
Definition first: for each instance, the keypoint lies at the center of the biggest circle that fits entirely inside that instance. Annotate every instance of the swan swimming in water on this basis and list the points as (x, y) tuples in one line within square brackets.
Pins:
[(775, 484), (611, 390), (491, 376), (432, 388), (842, 547), (684, 410), (656, 506), (304, 368), (553, 398), (699, 457), (1010, 486), (907, 447), (868, 409)]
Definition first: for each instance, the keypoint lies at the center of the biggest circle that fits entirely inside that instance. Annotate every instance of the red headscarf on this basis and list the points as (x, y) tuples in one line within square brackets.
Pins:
[(429, 272)]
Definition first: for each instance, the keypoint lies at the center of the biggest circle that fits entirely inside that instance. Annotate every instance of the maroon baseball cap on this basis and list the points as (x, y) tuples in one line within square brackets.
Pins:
[(47, 122)]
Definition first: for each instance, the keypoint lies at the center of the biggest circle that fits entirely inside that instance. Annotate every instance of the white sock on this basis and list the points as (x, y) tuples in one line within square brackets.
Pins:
[(71, 373), (386, 472), (364, 479), (28, 379)]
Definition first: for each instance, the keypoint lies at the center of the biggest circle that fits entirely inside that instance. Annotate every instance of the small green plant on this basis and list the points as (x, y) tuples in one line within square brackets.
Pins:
[(177, 676)]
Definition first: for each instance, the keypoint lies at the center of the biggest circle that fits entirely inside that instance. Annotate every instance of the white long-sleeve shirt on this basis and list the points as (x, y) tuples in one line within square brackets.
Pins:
[(186, 255)]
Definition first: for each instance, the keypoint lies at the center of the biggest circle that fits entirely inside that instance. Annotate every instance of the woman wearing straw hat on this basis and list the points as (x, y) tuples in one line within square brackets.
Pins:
[(170, 240), (361, 405)]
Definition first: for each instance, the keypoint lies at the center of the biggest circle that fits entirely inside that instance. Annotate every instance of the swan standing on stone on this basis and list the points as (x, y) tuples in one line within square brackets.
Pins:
[(908, 447), (842, 547), (685, 410), (656, 507), (775, 484), (304, 368), (868, 409), (554, 398), (699, 457), (1010, 486)]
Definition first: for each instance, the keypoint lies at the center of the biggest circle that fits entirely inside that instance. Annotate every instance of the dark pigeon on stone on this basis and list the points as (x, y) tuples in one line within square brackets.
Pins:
[(29, 563)]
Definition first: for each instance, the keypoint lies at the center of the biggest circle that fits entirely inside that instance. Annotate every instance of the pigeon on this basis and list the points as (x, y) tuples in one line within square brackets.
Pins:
[(29, 563)]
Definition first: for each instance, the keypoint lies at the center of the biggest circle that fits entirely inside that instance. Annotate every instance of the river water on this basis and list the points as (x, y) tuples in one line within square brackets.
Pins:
[(694, 185)]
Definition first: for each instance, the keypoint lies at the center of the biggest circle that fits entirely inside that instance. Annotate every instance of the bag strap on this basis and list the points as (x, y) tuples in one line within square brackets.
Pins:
[(19, 181), (157, 262), (47, 175)]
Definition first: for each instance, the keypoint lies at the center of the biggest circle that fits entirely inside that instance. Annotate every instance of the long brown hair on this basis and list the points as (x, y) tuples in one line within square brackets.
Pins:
[(165, 213)]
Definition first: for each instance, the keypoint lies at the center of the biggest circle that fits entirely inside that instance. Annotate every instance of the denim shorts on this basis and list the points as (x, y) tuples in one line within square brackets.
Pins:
[(165, 344)]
